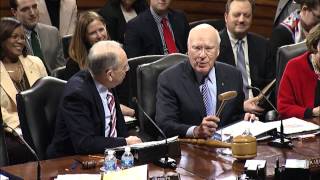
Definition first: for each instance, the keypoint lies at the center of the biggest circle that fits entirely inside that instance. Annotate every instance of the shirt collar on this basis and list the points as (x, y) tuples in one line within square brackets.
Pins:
[(156, 17), (211, 75), (234, 40), (27, 32), (100, 87)]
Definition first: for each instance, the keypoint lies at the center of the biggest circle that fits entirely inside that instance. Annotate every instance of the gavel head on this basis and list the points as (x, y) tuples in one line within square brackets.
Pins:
[(227, 95), (244, 147)]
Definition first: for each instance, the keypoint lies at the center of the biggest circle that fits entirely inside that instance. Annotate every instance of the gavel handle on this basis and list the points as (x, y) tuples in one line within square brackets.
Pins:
[(220, 108), (210, 142)]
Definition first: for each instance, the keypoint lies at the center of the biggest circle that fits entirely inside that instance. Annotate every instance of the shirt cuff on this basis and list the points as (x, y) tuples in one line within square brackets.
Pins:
[(190, 131)]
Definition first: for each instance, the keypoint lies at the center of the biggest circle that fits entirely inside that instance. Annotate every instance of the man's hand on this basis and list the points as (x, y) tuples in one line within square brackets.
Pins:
[(250, 117), (207, 127), (251, 106), (133, 140), (316, 111), (126, 111)]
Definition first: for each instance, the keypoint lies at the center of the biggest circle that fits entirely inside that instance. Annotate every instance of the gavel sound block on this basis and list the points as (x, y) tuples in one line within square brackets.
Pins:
[(243, 146)]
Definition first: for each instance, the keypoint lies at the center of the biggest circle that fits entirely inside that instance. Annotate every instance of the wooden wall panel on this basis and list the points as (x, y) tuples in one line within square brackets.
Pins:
[(195, 10)]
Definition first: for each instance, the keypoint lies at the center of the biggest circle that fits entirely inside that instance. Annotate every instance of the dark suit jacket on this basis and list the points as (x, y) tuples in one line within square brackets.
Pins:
[(260, 59), (81, 120), (113, 16), (142, 35), (179, 100)]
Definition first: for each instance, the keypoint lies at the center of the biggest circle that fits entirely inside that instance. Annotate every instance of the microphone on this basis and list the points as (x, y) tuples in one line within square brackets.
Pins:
[(15, 133), (282, 142), (166, 163)]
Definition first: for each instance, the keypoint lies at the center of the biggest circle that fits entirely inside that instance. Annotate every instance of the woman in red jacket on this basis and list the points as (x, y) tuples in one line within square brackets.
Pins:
[(299, 92)]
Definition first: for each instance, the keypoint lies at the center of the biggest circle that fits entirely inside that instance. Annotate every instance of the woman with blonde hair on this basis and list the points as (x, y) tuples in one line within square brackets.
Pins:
[(90, 28)]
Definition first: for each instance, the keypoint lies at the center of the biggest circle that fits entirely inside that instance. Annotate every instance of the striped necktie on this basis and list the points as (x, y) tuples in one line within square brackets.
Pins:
[(241, 65), (113, 118), (206, 97)]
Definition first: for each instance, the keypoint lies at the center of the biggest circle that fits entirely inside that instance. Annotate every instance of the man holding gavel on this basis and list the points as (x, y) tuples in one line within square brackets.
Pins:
[(187, 92)]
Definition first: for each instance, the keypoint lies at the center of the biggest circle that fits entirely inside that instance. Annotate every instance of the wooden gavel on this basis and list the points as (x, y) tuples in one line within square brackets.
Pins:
[(242, 146)]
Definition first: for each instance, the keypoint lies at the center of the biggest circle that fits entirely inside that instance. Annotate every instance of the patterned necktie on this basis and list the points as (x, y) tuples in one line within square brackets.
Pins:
[(36, 45), (168, 38), (206, 97), (241, 65), (113, 118)]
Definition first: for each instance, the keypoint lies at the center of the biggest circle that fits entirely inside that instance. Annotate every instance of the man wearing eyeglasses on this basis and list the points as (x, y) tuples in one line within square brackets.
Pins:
[(187, 92), (89, 118), (296, 26)]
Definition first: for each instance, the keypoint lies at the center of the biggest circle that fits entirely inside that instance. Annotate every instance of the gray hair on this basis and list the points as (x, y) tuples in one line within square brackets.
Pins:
[(102, 56)]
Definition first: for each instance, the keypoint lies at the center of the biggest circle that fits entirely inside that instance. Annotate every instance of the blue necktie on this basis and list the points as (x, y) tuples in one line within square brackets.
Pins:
[(206, 97), (241, 65)]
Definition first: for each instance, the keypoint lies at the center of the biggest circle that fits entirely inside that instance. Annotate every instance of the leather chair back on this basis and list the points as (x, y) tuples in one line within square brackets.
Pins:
[(37, 109), (284, 54), (128, 88), (65, 44), (219, 24), (147, 77), (59, 73), (3, 146)]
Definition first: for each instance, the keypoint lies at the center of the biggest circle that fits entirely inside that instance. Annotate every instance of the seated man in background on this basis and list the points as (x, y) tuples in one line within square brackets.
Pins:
[(187, 92), (248, 52), (158, 30), (296, 26), (42, 40), (89, 117), (299, 90)]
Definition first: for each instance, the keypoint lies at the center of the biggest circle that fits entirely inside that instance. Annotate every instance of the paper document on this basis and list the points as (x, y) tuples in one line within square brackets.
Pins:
[(148, 144), (294, 125), (256, 128), (129, 119), (78, 177), (134, 173)]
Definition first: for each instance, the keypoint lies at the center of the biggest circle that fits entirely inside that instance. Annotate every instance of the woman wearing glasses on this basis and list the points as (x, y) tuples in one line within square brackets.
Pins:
[(299, 91), (19, 72)]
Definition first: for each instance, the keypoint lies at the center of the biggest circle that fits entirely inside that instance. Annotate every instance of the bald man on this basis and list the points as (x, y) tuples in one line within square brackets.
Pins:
[(89, 118), (187, 92)]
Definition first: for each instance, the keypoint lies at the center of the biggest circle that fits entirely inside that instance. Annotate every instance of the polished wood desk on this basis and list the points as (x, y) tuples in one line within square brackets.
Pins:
[(196, 162)]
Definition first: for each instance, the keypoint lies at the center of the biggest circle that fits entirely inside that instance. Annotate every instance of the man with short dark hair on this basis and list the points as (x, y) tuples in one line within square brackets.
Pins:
[(89, 118), (42, 40), (249, 52), (158, 30)]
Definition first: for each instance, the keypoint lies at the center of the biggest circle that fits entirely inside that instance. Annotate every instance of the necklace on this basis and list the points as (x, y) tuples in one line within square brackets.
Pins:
[(15, 71)]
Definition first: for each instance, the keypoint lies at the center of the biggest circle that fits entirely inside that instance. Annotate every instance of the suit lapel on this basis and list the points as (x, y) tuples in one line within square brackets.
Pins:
[(253, 56), (190, 82), (30, 69), (226, 48), (154, 30), (7, 84), (220, 83)]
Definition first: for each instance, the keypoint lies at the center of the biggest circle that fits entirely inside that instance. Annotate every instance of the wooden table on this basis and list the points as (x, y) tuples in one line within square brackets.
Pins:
[(196, 162)]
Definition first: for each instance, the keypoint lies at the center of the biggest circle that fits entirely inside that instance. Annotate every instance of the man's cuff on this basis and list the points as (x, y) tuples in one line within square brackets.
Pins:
[(190, 132)]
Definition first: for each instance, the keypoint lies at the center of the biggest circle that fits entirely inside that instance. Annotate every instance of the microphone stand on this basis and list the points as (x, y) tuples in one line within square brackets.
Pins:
[(166, 163), (281, 141), (29, 148)]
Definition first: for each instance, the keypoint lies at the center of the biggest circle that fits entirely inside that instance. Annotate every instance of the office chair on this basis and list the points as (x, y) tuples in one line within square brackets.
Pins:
[(37, 108), (219, 24), (284, 54), (65, 45), (59, 73), (3, 146), (147, 77), (128, 88)]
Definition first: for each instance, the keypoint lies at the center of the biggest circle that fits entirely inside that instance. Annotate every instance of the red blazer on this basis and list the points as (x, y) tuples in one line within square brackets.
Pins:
[(297, 88)]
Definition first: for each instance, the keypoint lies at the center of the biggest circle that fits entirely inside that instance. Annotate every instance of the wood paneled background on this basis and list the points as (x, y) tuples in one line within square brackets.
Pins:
[(195, 10)]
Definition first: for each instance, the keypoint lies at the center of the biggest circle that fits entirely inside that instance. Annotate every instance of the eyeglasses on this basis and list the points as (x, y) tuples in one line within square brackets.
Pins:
[(18, 37), (205, 49)]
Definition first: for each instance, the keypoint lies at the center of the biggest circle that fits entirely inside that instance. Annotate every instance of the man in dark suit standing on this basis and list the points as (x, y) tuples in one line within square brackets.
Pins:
[(41, 40), (249, 52), (89, 117), (158, 30), (187, 92)]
